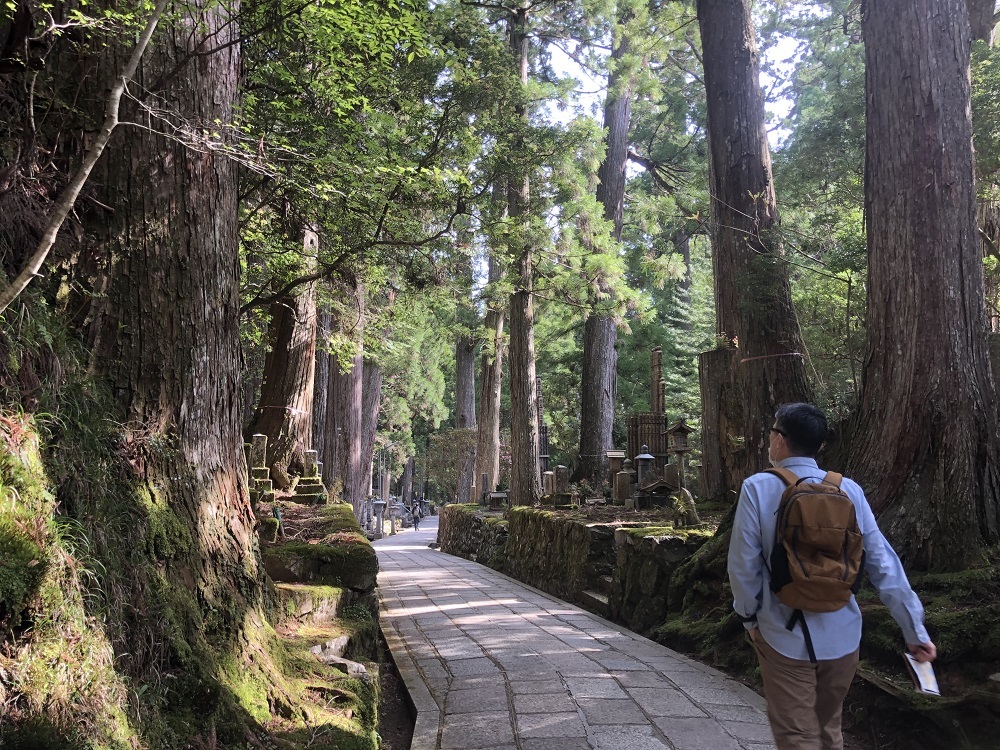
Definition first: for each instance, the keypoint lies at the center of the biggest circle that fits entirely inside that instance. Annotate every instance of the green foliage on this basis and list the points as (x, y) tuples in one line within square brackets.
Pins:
[(446, 453), (22, 566), (986, 111)]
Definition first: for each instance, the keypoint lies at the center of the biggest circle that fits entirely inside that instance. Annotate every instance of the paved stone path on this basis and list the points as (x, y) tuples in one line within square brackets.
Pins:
[(492, 664)]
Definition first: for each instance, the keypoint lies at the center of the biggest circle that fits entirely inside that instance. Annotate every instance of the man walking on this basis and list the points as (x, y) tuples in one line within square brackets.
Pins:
[(808, 658)]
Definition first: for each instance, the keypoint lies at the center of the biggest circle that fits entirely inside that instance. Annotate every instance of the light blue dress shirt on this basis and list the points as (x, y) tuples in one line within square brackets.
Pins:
[(834, 634)]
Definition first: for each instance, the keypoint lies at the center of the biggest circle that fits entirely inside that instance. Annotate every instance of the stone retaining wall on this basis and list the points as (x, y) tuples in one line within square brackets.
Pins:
[(468, 531), (561, 556), (645, 562), (566, 557)]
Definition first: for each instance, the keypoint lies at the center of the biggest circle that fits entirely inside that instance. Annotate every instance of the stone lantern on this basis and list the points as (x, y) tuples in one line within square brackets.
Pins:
[(677, 437), (677, 442), (643, 464), (379, 507)]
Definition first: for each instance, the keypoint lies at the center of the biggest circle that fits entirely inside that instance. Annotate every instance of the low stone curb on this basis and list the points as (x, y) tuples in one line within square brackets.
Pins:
[(429, 716)]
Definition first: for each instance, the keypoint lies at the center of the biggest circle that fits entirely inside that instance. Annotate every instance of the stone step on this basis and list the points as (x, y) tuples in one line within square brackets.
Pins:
[(309, 486), (595, 602), (309, 498), (604, 584), (315, 604)]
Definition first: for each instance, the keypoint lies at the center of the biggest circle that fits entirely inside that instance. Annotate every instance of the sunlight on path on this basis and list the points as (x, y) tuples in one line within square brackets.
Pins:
[(493, 664)]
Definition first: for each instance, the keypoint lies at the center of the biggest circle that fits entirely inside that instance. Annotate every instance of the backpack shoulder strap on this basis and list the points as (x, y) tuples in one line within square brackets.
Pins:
[(784, 475), (833, 478)]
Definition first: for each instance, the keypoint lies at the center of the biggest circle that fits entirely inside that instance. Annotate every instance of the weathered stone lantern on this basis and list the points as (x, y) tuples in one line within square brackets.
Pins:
[(677, 442), (379, 506), (677, 437), (643, 465)]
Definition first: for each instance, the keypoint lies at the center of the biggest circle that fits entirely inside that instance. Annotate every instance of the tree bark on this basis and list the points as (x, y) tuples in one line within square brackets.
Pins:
[(526, 482), (925, 443), (752, 294), (342, 461), (407, 483), (981, 19), (600, 358), (284, 412), (371, 406), (321, 382), (465, 369), (682, 246), (491, 377), (167, 338)]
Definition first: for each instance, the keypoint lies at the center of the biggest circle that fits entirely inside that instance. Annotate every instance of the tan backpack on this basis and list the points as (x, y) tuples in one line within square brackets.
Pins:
[(818, 556)]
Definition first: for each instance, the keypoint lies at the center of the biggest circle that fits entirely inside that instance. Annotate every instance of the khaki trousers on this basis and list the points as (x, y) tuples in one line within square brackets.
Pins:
[(805, 700)]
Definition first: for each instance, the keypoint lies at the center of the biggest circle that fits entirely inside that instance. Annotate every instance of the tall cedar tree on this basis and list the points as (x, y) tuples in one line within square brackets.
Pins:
[(343, 460), (167, 337), (752, 294), (465, 361), (526, 481), (926, 439), (371, 407), (600, 358), (490, 381), (285, 410)]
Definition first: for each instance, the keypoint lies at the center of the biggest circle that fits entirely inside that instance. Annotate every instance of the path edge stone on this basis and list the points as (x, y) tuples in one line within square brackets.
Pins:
[(427, 728)]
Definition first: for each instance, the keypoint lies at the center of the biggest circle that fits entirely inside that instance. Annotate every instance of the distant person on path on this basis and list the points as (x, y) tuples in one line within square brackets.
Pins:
[(808, 658), (416, 516)]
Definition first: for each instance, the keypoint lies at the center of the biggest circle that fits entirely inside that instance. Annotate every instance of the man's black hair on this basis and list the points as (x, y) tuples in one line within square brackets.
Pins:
[(804, 426)]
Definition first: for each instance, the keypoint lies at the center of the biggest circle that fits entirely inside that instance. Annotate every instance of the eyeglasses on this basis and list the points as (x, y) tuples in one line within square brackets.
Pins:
[(780, 432)]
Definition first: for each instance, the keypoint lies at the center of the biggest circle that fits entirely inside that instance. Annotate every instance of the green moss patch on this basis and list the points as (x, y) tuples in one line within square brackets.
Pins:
[(23, 564), (349, 561)]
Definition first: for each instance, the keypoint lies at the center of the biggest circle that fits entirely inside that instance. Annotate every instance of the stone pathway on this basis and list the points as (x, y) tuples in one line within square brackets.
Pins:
[(492, 664)]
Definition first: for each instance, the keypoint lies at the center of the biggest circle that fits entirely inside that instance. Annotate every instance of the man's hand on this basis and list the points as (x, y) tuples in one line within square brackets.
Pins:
[(754, 634), (923, 651)]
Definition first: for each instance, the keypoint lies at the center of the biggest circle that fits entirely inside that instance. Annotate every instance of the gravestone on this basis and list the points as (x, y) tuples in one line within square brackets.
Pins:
[(562, 479)]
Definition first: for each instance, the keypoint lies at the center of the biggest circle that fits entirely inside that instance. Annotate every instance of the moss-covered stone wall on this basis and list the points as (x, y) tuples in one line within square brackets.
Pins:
[(567, 556), (559, 555), (468, 531), (646, 560)]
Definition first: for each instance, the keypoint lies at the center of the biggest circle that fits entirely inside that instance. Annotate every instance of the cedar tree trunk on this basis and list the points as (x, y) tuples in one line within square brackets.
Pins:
[(286, 395), (167, 338), (371, 404), (600, 359), (465, 371), (342, 459), (752, 294), (525, 480), (321, 382), (491, 377), (925, 444)]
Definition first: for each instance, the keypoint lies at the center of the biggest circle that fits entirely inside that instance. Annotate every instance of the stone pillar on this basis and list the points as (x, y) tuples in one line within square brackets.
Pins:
[(485, 489), (258, 451), (309, 490), (311, 464), (379, 518), (562, 479), (615, 461), (261, 489), (549, 483)]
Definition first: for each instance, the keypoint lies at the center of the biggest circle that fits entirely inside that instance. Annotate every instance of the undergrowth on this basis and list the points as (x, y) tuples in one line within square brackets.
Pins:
[(104, 643)]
